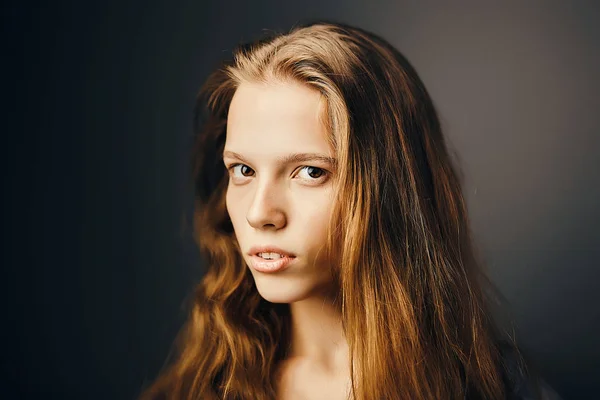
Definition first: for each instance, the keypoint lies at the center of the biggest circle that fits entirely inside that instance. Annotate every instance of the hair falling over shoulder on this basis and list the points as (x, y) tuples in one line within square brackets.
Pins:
[(412, 294)]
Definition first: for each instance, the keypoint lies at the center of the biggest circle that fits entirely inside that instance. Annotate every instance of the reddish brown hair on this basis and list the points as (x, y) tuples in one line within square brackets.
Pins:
[(413, 309)]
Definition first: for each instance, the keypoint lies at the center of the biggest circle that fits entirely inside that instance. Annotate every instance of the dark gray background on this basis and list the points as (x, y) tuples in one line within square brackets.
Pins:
[(97, 104)]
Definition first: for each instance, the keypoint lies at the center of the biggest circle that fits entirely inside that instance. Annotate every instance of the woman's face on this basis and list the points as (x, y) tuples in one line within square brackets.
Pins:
[(280, 186)]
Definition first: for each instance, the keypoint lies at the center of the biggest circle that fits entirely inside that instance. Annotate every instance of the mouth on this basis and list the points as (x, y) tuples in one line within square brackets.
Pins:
[(270, 252), (271, 265), (270, 259), (271, 255)]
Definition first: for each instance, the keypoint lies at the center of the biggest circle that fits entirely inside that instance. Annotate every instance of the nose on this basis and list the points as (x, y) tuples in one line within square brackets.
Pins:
[(266, 210)]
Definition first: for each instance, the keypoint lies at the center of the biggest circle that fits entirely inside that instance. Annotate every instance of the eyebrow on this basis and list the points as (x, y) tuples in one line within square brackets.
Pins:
[(291, 158)]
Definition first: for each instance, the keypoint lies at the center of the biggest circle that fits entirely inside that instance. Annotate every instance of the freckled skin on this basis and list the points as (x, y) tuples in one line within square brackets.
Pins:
[(282, 205)]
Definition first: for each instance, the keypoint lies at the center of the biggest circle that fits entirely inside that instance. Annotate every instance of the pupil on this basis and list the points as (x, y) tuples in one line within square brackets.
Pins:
[(245, 169), (312, 174)]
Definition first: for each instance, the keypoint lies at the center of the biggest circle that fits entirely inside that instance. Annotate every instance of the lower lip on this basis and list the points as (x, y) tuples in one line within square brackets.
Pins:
[(262, 265)]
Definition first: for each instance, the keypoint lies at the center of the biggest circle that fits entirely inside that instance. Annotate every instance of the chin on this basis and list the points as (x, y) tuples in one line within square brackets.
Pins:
[(281, 289), (292, 285), (275, 292)]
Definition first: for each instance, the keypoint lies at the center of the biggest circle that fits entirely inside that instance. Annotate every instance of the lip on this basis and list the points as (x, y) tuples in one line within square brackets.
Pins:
[(269, 249), (270, 266)]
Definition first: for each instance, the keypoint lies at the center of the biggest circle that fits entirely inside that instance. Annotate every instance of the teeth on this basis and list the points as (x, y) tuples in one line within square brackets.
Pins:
[(270, 256)]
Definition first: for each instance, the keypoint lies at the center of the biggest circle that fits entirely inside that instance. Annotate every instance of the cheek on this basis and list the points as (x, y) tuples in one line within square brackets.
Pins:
[(227, 199), (317, 222), (233, 208), (316, 216)]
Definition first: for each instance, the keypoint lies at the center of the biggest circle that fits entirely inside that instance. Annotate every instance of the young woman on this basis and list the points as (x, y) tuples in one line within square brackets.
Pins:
[(340, 264)]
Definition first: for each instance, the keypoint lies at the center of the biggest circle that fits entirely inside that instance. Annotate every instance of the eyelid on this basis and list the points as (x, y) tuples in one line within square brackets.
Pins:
[(234, 165), (325, 172), (324, 176)]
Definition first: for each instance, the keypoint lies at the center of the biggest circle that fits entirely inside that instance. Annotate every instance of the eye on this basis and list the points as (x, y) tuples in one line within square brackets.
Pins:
[(313, 173), (242, 169)]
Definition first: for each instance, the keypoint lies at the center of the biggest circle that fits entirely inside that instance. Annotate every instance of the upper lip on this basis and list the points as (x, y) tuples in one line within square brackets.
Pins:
[(269, 249)]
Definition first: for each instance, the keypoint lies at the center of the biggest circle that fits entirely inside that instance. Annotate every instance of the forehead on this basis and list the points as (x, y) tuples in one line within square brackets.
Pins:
[(282, 116)]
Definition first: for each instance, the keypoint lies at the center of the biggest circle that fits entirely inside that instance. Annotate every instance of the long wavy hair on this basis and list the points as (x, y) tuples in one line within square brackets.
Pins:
[(414, 307)]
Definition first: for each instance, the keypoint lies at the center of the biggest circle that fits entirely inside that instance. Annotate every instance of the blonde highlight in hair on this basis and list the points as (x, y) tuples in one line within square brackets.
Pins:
[(413, 308)]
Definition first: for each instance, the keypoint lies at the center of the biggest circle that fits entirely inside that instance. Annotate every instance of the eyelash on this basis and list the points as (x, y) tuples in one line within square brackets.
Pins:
[(325, 173)]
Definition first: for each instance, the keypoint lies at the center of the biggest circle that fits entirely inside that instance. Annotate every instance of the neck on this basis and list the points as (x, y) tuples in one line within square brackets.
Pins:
[(316, 332)]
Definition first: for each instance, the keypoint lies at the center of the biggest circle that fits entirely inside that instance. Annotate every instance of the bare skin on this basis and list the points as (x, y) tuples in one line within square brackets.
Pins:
[(287, 204), (318, 364), (306, 380)]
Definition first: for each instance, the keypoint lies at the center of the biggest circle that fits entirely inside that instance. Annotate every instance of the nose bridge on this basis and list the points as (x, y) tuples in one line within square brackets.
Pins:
[(267, 206)]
